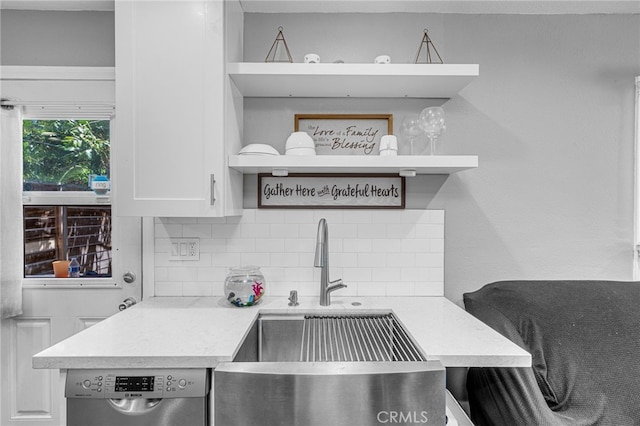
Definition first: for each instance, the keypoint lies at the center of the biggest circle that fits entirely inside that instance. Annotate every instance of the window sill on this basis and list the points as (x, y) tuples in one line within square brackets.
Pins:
[(64, 198), (70, 283)]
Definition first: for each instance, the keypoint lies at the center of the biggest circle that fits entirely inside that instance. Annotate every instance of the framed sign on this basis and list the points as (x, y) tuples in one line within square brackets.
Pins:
[(331, 191), (345, 134)]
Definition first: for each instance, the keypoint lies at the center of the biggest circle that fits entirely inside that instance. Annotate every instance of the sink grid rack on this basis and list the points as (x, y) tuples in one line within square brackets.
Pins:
[(352, 338)]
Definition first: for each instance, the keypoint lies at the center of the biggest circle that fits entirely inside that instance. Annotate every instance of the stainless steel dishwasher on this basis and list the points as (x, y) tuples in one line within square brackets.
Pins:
[(134, 397)]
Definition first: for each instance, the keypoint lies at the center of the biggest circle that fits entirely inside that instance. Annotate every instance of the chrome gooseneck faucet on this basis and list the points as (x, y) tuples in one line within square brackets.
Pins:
[(322, 261)]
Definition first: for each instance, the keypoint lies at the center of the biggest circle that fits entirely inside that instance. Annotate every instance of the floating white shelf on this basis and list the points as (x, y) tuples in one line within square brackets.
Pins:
[(331, 80), (404, 165)]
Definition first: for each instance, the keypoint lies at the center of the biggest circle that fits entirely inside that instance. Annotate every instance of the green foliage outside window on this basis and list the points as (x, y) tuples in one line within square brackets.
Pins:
[(61, 154)]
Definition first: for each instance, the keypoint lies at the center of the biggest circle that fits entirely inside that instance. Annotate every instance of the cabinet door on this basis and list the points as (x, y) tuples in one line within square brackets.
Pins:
[(168, 144)]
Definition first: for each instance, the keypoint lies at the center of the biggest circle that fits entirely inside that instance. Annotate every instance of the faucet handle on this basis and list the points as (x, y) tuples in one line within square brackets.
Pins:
[(293, 298)]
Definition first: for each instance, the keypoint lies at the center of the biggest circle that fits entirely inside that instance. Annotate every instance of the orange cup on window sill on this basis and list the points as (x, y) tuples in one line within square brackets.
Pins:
[(61, 268)]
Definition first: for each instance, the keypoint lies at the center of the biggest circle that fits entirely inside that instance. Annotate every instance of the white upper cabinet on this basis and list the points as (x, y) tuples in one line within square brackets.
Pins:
[(169, 152)]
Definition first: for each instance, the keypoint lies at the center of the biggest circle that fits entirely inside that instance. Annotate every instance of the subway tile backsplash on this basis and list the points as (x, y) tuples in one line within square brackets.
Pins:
[(375, 252)]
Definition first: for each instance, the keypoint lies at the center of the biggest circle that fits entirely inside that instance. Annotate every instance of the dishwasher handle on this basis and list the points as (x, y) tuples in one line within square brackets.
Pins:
[(134, 406)]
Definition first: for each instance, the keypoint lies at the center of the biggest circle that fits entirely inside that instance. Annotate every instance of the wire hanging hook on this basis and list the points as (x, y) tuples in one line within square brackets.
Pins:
[(426, 41), (274, 48)]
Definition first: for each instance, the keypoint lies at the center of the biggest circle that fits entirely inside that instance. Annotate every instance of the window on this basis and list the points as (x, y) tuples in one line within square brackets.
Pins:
[(61, 155), (63, 232), (63, 218)]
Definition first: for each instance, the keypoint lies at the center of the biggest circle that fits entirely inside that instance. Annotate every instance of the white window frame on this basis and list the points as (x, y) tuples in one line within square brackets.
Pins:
[(636, 212), (61, 93), (66, 198)]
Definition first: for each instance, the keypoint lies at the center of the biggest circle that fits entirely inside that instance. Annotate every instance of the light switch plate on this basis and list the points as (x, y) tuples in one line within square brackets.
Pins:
[(185, 249)]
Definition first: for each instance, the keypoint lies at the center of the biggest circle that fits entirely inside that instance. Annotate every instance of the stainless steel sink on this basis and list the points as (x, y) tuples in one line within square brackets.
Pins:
[(346, 369)]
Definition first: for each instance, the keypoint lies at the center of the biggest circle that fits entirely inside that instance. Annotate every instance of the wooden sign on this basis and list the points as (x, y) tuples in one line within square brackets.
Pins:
[(331, 191), (345, 134)]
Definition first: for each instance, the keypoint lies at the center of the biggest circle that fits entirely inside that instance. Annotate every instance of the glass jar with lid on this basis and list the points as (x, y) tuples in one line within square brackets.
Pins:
[(244, 285)]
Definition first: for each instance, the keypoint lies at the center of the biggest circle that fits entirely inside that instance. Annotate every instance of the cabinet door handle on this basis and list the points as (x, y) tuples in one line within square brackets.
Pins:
[(213, 185)]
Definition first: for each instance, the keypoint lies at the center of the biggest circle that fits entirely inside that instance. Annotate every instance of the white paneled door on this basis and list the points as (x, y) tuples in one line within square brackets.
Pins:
[(53, 312)]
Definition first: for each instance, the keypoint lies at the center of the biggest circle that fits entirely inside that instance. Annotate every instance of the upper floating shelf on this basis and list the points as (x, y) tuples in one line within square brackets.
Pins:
[(275, 80)]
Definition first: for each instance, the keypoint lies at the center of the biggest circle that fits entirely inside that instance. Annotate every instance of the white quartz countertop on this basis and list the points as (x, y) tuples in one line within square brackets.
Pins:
[(204, 331)]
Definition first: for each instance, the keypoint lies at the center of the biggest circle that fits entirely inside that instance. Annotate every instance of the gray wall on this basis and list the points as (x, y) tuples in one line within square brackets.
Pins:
[(550, 117), (56, 38)]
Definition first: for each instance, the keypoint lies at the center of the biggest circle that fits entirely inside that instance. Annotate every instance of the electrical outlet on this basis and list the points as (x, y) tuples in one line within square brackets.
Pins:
[(185, 249)]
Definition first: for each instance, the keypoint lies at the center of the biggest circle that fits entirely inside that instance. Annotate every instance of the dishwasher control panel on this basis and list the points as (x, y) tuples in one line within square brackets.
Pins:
[(137, 383)]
